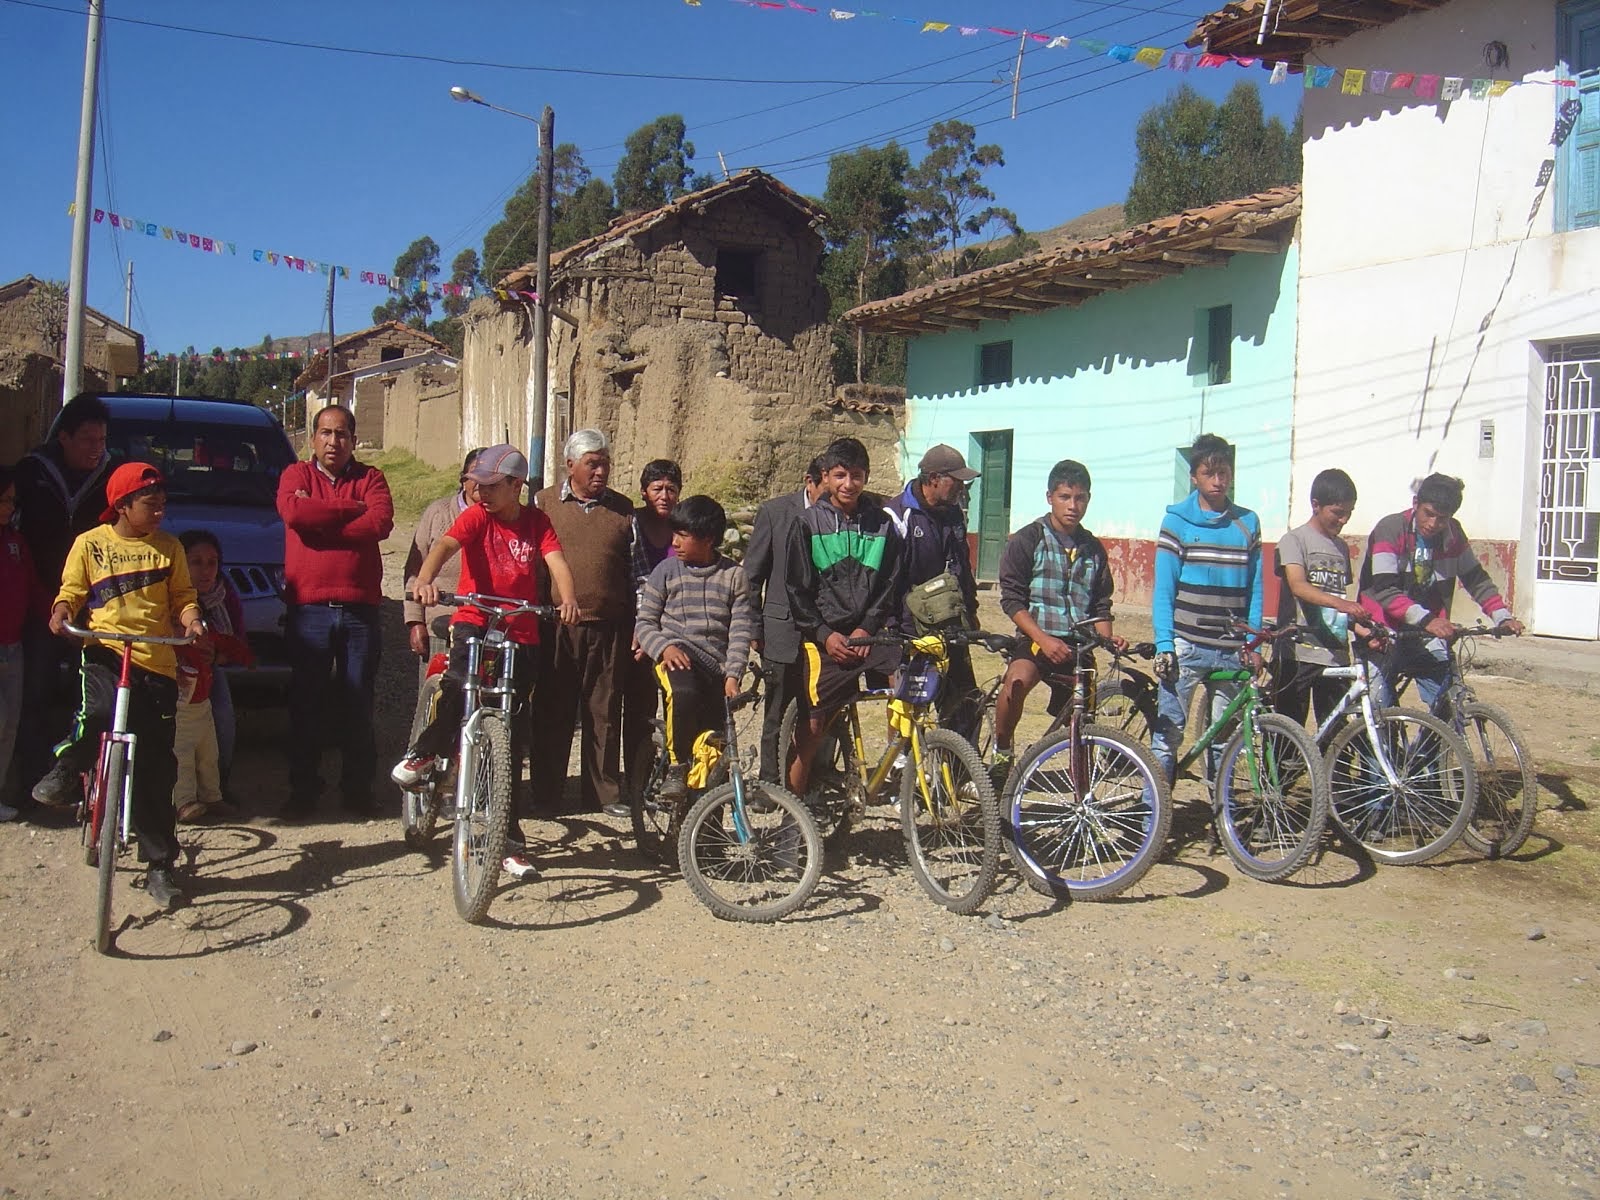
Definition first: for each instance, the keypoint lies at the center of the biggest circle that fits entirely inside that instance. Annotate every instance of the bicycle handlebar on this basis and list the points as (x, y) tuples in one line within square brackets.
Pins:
[(501, 606), (130, 638)]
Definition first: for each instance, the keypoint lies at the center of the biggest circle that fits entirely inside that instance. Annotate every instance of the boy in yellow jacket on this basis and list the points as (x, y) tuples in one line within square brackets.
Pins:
[(134, 580)]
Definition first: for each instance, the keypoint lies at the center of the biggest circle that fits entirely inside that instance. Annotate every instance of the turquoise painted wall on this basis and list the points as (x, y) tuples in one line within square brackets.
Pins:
[(1109, 383)]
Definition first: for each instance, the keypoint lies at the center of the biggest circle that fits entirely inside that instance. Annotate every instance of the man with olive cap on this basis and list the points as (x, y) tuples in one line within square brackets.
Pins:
[(933, 539)]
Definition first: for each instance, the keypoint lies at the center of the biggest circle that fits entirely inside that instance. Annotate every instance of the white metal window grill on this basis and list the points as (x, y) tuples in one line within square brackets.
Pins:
[(1569, 473)]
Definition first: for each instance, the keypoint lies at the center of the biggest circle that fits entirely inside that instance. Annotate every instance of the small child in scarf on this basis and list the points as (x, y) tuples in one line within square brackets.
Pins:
[(204, 704)]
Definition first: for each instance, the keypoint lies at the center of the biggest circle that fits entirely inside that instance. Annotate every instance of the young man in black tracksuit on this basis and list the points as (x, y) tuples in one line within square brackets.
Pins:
[(843, 578), (933, 541)]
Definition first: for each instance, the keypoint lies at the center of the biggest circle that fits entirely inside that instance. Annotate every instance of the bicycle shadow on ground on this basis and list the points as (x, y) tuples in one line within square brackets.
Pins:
[(236, 921), (1560, 788), (561, 899), (1539, 845), (835, 899), (1207, 882)]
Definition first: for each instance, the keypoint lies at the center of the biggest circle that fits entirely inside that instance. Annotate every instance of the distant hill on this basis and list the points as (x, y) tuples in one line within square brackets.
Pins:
[(1097, 224)]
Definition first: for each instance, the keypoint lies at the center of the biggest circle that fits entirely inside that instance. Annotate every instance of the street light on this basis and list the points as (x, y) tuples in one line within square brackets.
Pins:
[(541, 309)]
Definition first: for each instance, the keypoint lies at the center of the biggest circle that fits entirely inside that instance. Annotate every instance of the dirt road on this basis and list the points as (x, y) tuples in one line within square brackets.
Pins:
[(318, 1023)]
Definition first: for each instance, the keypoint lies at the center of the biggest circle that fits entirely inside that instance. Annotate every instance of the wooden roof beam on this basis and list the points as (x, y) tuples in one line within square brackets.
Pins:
[(946, 320), (1195, 258), (1251, 245), (1150, 269)]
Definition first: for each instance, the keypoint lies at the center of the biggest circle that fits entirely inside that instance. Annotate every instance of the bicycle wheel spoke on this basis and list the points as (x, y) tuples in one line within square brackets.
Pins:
[(1271, 799), (760, 872), (951, 821)]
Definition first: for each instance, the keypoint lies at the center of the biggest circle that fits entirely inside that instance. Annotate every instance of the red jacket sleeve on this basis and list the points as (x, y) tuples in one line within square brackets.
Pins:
[(377, 522), (310, 514)]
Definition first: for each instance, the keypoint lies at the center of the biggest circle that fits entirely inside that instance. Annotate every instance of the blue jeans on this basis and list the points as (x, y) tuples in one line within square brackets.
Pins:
[(1428, 663), (1172, 704), (333, 663)]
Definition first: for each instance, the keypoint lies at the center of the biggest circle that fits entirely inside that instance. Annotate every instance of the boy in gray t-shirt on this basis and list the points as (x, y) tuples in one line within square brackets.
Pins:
[(1314, 564)]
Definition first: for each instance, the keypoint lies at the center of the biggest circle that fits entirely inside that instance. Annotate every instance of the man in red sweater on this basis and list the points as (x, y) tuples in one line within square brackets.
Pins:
[(335, 513)]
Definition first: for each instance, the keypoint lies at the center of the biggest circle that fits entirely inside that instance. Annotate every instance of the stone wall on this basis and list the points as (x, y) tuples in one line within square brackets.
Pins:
[(422, 414), (367, 352), (30, 397)]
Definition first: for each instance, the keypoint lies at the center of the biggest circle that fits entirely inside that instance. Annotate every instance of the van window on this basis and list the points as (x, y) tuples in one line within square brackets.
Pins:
[(205, 462)]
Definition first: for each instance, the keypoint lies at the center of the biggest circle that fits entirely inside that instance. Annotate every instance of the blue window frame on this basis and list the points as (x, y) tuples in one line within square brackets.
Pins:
[(1578, 178)]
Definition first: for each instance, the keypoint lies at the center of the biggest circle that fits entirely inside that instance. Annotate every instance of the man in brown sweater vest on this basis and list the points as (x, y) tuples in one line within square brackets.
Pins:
[(582, 671)]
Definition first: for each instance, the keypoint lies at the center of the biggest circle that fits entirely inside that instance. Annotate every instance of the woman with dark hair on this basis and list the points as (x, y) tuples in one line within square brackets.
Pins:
[(659, 485)]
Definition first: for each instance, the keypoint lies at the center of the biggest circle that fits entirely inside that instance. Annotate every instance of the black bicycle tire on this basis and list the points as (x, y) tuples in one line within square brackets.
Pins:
[(643, 783), (109, 781), (1476, 711), (1051, 883), (1307, 839), (829, 802), (493, 774), (695, 850), (1346, 813), (911, 809), (1127, 708), (419, 806)]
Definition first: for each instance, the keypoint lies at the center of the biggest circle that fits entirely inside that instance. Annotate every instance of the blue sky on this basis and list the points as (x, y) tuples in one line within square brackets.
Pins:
[(347, 157)]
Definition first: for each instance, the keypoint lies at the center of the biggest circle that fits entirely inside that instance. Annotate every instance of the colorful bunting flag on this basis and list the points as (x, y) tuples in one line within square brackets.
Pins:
[(1354, 83), (1378, 81), (1428, 87), (1280, 72), (1181, 60), (934, 27), (1150, 56), (1454, 87), (1499, 87), (1480, 89)]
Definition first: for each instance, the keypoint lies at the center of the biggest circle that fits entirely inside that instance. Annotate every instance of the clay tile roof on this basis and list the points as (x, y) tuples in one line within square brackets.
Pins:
[(1295, 26), (1070, 274), (318, 367), (751, 182)]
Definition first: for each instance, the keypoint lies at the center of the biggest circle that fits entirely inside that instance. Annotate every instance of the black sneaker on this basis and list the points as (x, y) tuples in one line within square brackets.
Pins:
[(60, 787), (159, 884)]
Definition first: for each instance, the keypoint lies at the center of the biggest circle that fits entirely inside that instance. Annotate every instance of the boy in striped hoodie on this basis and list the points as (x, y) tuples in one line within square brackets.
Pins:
[(1408, 581), (1208, 572), (696, 620)]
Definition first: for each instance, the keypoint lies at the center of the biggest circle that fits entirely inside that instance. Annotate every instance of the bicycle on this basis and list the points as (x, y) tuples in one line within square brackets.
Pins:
[(1400, 780), (420, 806), (1088, 809), (658, 821), (479, 780), (949, 815), (106, 836), (1121, 698), (1507, 802), (748, 849), (1270, 815)]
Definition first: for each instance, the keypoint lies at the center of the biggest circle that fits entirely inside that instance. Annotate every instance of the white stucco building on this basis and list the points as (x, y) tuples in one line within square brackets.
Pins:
[(1439, 327)]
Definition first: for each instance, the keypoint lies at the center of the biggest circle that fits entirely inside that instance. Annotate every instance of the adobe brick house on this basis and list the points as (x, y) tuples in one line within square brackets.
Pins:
[(700, 333), (30, 363), (369, 361)]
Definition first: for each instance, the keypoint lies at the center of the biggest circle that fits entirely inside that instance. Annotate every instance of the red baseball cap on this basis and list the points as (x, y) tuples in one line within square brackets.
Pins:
[(126, 480)]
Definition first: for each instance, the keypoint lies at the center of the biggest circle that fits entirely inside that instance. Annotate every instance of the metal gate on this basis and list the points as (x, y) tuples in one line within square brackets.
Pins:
[(1567, 570)]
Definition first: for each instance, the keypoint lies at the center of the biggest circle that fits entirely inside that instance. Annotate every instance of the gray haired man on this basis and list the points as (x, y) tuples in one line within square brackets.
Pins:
[(580, 680)]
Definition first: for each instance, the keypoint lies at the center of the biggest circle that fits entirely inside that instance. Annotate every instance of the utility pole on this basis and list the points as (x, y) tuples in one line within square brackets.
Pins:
[(541, 308), (332, 358), (78, 274), (127, 298)]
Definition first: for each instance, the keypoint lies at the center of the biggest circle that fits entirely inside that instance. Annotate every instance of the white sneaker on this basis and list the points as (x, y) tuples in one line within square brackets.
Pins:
[(412, 770), (519, 866), (7, 813)]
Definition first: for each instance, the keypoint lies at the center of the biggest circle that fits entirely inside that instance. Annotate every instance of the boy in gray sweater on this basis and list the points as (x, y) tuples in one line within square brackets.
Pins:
[(696, 621)]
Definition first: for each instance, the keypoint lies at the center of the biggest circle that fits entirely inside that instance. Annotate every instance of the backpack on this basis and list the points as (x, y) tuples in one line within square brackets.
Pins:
[(937, 604)]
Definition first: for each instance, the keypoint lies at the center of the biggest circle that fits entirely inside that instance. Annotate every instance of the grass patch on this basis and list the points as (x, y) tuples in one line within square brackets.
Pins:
[(412, 482)]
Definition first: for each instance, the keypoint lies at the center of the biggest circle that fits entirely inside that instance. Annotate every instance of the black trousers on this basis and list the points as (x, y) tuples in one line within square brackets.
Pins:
[(152, 719), (778, 680), (959, 697), (693, 705), (1297, 687)]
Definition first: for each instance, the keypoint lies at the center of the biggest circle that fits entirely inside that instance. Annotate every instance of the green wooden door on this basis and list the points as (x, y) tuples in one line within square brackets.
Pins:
[(994, 499)]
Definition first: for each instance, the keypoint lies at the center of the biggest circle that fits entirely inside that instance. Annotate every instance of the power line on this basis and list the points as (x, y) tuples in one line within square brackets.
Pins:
[(411, 56)]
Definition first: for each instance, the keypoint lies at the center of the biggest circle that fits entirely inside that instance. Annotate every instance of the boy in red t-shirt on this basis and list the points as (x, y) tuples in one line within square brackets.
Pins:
[(498, 539)]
